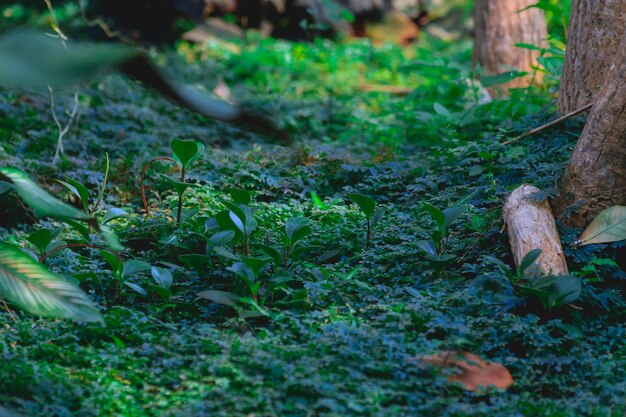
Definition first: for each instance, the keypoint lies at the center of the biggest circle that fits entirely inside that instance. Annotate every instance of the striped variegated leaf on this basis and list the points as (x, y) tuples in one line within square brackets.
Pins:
[(42, 202), (29, 285)]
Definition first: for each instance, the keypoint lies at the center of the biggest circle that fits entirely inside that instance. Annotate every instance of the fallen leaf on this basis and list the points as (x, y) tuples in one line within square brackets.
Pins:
[(472, 373)]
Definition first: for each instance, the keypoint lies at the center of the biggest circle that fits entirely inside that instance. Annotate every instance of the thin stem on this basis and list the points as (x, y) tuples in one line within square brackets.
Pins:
[(78, 245), (180, 199), (143, 177), (368, 236), (104, 185)]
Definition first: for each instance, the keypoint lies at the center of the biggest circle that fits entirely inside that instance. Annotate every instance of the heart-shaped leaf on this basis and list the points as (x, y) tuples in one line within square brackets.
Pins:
[(185, 152), (365, 203)]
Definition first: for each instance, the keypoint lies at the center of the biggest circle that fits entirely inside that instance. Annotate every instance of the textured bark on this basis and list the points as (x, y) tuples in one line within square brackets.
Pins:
[(596, 31), (499, 25), (595, 177), (531, 226)]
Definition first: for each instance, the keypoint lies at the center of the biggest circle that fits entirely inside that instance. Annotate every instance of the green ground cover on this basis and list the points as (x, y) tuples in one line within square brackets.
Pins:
[(336, 325)]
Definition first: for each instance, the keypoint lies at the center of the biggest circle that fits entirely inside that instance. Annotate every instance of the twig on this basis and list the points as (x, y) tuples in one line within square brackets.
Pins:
[(62, 130), (549, 125), (114, 34), (55, 23)]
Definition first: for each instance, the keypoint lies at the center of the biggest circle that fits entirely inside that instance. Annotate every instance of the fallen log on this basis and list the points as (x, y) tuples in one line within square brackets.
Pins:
[(531, 225)]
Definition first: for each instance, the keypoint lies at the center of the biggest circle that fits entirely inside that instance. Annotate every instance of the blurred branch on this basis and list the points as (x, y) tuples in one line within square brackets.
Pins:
[(62, 129)]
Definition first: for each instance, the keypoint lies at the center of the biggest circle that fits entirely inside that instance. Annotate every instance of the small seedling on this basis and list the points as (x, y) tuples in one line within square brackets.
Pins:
[(371, 212), (435, 248), (184, 153)]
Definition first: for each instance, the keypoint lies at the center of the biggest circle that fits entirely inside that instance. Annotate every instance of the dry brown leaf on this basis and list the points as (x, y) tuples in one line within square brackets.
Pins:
[(473, 373)]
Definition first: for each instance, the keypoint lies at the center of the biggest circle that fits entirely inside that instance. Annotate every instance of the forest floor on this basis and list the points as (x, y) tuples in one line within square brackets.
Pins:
[(340, 337)]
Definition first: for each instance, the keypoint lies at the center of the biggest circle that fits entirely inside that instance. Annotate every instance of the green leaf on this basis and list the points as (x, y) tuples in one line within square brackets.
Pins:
[(42, 202), (244, 272), (137, 288), (240, 196), (296, 229), (111, 239), (452, 214), (179, 186), (79, 190), (502, 78), (366, 204), (226, 253), (529, 259), (556, 291), (427, 246), (162, 277), (41, 239), (164, 293), (438, 216), (35, 59), (133, 266), (275, 254), (116, 265), (317, 201), (114, 213), (221, 297), (185, 152), (30, 286), (608, 226), (222, 238)]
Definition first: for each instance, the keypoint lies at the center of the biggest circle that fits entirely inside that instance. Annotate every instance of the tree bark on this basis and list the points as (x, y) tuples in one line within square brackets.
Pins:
[(499, 26), (595, 177), (531, 226), (596, 31)]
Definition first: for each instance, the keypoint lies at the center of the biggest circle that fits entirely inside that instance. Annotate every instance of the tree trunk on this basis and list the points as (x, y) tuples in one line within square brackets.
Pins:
[(596, 31), (499, 26), (595, 177)]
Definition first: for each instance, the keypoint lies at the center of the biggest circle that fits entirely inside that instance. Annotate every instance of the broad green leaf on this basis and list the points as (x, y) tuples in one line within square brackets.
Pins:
[(115, 264), (41, 239), (238, 222), (244, 272), (256, 264), (502, 78), (221, 297), (42, 202), (240, 196), (162, 277), (179, 186), (34, 59), (111, 238), (222, 238), (222, 251), (137, 288), (608, 226), (529, 259), (441, 110), (379, 213), (30, 286), (438, 216), (427, 246), (452, 214), (185, 152), (114, 213), (164, 293), (274, 253), (133, 266), (296, 229), (79, 190), (365, 203)]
